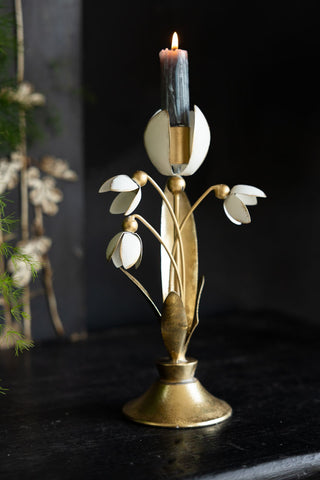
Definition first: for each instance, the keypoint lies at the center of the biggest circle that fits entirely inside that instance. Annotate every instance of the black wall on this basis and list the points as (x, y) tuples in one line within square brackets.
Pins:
[(254, 73)]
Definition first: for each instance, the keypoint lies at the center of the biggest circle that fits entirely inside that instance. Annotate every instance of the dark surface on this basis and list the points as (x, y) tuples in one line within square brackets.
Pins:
[(62, 416)]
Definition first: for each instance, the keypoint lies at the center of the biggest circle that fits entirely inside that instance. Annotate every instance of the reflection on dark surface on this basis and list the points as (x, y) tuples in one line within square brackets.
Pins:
[(186, 449)]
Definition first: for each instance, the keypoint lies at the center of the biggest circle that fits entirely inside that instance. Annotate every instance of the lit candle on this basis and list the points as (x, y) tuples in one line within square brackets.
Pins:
[(175, 83)]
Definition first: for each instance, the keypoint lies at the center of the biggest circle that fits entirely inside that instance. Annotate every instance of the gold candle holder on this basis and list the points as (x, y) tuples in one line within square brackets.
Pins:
[(177, 398)]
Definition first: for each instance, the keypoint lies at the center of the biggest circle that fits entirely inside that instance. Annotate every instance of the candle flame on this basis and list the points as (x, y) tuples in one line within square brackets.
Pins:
[(175, 41)]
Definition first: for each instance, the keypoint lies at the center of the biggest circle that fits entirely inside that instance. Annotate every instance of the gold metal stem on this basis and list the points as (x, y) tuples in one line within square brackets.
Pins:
[(196, 204), (142, 289), (192, 209), (176, 224), (158, 237)]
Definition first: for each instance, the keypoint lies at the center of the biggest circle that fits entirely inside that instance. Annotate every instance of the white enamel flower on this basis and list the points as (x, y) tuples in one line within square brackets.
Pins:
[(129, 197), (235, 203), (125, 250), (157, 142)]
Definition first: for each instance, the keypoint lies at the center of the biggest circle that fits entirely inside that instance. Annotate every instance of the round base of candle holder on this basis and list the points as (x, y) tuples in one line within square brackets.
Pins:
[(177, 400)]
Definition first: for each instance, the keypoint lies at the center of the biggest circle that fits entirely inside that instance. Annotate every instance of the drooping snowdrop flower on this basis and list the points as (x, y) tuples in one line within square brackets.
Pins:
[(235, 203), (130, 192), (125, 248)]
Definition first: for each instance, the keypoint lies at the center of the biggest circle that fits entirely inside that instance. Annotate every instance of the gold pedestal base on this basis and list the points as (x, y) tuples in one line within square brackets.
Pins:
[(177, 400)]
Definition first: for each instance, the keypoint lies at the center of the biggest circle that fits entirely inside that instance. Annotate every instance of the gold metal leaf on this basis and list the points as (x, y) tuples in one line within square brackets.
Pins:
[(196, 315), (189, 239), (174, 327)]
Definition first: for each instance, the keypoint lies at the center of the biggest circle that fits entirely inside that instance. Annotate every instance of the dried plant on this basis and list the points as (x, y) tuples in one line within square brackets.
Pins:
[(9, 172), (43, 192), (36, 190)]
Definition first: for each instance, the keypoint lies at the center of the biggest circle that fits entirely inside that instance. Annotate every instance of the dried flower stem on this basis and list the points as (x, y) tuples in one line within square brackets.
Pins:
[(23, 150), (47, 277), (51, 297), (20, 41), (158, 237)]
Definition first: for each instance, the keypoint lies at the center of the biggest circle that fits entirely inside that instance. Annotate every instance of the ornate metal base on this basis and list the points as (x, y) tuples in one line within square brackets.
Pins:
[(177, 399)]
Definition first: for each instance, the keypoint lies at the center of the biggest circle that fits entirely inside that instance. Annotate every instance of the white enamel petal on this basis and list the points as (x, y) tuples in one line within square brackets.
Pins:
[(122, 202), (247, 199), (113, 245), (116, 257), (229, 216), (199, 141), (135, 202), (130, 249), (137, 265), (123, 183), (119, 183), (235, 210), (106, 186), (157, 141), (248, 190)]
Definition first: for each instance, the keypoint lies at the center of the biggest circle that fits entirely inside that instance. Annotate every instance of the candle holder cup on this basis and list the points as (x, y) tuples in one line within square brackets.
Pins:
[(177, 398)]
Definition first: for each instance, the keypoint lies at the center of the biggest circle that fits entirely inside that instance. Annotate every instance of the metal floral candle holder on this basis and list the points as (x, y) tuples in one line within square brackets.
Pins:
[(176, 399)]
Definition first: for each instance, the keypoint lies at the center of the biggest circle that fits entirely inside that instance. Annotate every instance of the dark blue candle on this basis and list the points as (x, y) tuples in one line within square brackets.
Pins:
[(175, 83)]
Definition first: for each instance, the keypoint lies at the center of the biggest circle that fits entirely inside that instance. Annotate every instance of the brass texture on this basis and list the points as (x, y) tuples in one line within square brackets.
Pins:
[(179, 145), (189, 238), (140, 177), (178, 400), (130, 224), (176, 184), (174, 327), (196, 315), (222, 191)]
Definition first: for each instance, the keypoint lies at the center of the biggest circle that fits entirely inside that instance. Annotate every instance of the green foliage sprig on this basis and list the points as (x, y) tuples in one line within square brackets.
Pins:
[(10, 135), (11, 296)]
